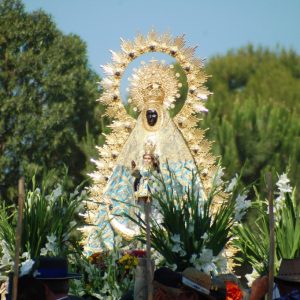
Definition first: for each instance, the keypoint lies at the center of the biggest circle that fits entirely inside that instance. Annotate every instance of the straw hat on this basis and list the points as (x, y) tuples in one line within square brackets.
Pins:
[(198, 277), (289, 270)]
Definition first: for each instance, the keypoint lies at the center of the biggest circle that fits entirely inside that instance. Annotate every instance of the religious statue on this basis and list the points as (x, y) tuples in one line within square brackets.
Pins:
[(145, 177), (138, 150)]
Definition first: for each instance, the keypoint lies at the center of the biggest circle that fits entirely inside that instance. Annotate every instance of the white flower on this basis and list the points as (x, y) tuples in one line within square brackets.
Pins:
[(26, 267), (251, 277), (204, 236), (43, 252), (206, 255), (208, 263), (51, 238), (57, 192), (241, 206), (221, 262), (209, 268), (176, 238), (193, 258), (284, 187), (176, 248), (283, 184), (26, 255), (6, 258), (50, 247), (218, 177), (232, 184)]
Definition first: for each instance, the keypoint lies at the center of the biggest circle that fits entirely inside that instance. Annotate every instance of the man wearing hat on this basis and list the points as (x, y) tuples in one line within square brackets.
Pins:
[(53, 272), (287, 282), (288, 279)]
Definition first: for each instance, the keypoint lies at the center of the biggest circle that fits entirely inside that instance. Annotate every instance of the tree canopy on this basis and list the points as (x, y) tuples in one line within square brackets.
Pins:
[(47, 97), (254, 112)]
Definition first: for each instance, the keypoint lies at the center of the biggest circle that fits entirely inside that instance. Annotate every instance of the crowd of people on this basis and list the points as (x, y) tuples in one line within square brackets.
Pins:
[(49, 280)]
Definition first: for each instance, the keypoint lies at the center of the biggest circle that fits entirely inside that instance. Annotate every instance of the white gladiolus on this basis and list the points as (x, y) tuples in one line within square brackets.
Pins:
[(204, 236), (283, 187), (176, 238), (251, 277), (57, 192), (26, 267), (283, 184), (218, 177), (176, 248), (232, 184), (206, 255), (6, 259), (241, 206)]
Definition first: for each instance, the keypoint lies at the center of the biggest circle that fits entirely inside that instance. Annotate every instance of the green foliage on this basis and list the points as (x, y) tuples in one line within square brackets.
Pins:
[(7, 231), (49, 220), (254, 112), (188, 230), (47, 96), (50, 215), (104, 277), (253, 239)]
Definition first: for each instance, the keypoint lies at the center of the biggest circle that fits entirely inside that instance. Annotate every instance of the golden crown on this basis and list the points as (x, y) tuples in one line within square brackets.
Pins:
[(149, 147), (154, 93), (153, 83)]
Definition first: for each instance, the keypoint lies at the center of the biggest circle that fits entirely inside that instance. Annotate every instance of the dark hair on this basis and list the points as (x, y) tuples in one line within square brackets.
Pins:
[(58, 286), (30, 288)]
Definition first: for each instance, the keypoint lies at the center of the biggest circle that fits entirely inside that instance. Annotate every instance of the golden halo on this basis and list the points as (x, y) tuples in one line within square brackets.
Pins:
[(175, 47)]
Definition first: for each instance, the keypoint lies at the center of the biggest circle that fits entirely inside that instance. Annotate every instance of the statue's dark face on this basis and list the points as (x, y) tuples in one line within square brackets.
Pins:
[(152, 116)]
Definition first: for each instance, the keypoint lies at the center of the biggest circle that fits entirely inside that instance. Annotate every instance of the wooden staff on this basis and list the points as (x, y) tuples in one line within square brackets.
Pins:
[(147, 207), (272, 238), (21, 199)]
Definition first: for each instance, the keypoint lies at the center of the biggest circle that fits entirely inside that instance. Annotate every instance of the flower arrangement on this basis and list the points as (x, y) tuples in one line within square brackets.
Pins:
[(188, 230), (253, 238), (108, 274), (49, 223), (128, 261)]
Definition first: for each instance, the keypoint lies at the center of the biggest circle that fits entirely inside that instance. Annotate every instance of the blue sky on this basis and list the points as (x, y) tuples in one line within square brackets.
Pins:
[(216, 26)]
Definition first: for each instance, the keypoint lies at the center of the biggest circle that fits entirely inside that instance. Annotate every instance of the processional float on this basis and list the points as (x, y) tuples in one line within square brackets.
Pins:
[(154, 142)]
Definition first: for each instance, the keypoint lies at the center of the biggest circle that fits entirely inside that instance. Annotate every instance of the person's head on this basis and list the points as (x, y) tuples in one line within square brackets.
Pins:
[(30, 288), (58, 287), (53, 272), (148, 160), (288, 278), (152, 116)]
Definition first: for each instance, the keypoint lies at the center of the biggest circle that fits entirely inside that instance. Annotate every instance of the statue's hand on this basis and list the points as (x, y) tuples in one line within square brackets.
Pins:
[(133, 164)]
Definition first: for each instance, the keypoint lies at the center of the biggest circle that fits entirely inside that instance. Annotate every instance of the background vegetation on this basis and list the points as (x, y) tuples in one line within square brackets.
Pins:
[(49, 118), (254, 112), (47, 99)]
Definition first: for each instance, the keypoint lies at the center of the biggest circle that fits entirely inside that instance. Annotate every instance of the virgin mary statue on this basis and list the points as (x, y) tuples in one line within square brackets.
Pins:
[(153, 144)]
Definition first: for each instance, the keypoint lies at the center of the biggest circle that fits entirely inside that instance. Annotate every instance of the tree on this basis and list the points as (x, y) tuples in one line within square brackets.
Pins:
[(254, 112), (47, 97)]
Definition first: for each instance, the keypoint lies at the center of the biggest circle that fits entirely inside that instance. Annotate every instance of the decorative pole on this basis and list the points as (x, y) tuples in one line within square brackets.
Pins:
[(272, 237), (21, 199), (147, 206)]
